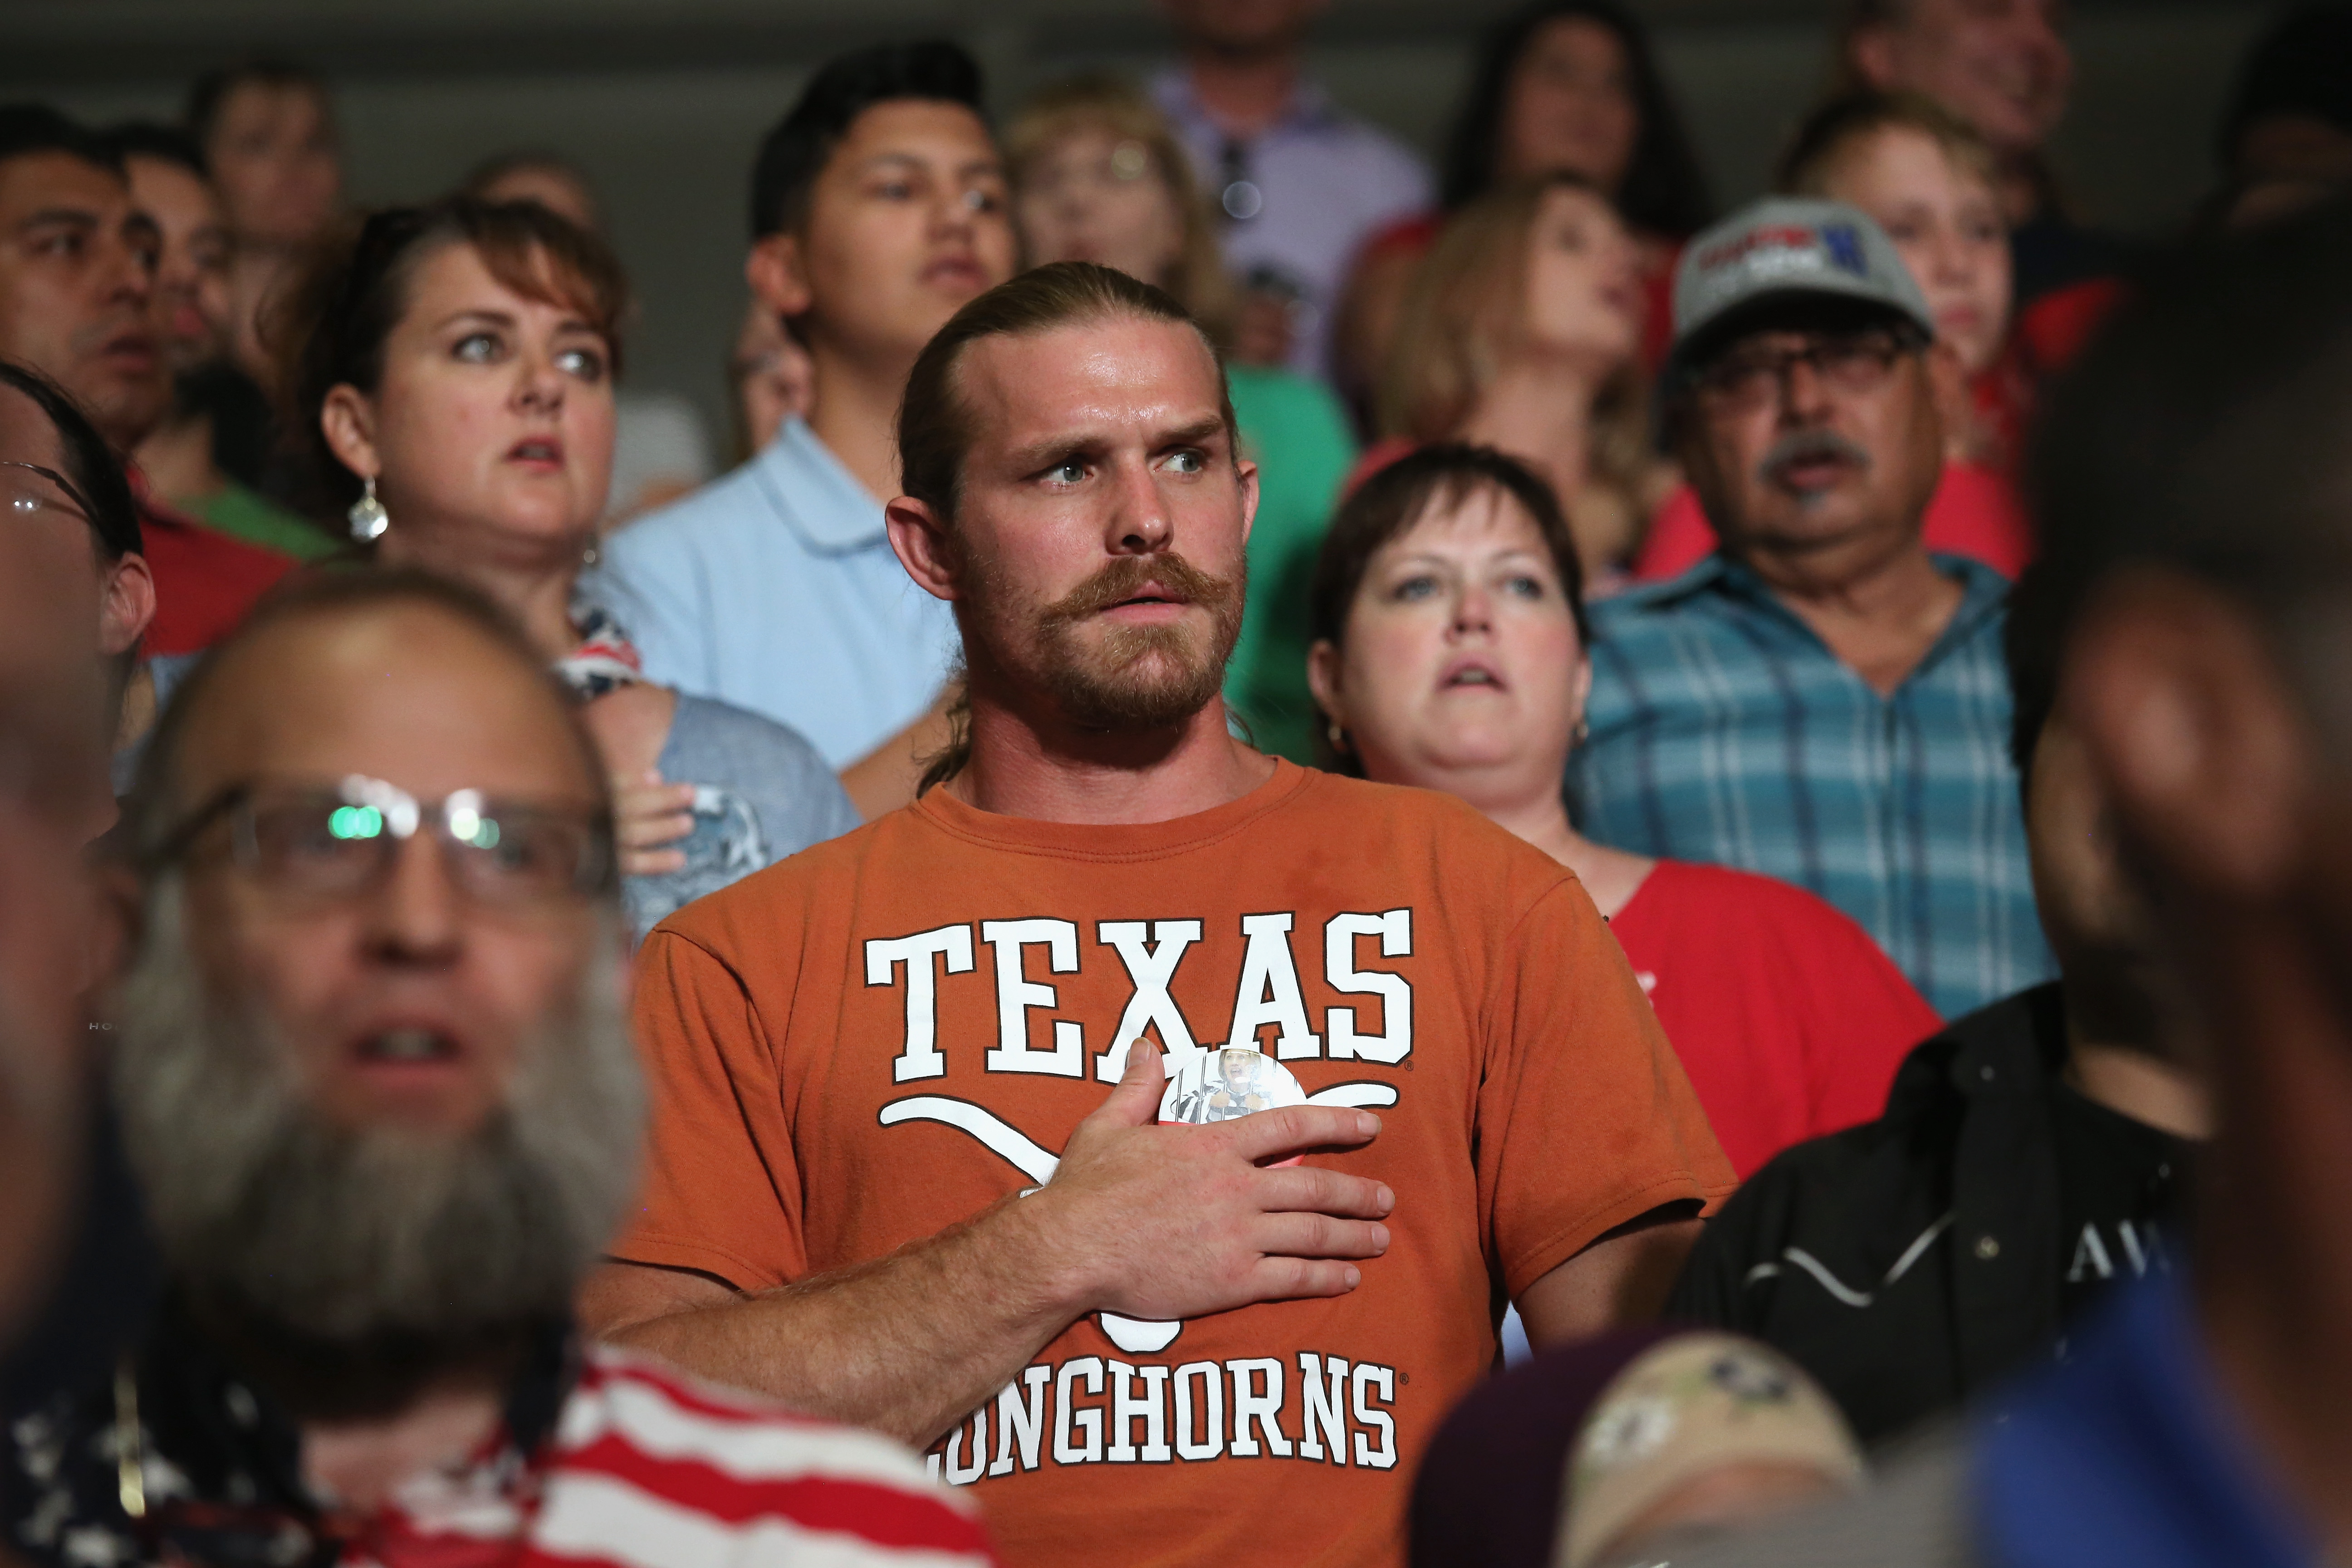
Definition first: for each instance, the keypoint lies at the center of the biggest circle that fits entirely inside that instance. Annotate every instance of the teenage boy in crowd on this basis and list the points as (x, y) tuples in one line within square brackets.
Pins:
[(373, 1076), (1821, 700), (2190, 484), (862, 1064), (2031, 1155), (77, 274), (877, 208)]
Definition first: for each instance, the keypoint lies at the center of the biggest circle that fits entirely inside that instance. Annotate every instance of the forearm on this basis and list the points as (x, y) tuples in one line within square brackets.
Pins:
[(907, 1344)]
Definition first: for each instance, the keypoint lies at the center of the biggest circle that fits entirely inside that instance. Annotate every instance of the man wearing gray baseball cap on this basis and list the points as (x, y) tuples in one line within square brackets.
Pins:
[(1821, 700)]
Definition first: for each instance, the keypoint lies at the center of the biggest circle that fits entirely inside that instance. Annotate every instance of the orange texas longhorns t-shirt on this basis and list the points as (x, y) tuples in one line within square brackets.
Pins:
[(881, 1035)]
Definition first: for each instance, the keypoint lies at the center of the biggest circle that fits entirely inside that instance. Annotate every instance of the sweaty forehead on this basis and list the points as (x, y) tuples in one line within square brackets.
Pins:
[(1095, 379), (404, 692)]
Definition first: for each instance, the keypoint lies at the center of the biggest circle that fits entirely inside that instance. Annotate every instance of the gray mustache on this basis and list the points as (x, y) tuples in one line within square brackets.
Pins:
[(1809, 446)]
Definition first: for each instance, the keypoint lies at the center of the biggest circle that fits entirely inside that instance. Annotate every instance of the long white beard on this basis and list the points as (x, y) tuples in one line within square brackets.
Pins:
[(349, 1234)]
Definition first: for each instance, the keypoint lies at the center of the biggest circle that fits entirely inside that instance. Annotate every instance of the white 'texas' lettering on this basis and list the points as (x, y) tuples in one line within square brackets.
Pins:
[(1150, 968), (1394, 1042), (1016, 994), (1268, 993), (919, 1057)]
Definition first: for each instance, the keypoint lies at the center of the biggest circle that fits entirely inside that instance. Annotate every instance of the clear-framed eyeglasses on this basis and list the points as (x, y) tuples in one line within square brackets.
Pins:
[(327, 842), (28, 489)]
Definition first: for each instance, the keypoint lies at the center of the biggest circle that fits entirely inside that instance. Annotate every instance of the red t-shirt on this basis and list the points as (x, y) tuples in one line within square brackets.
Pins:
[(1789, 1020), (1974, 513), (205, 580)]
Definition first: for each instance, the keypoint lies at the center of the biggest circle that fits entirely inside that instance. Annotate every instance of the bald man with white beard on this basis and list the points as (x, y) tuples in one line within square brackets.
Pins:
[(373, 1078)]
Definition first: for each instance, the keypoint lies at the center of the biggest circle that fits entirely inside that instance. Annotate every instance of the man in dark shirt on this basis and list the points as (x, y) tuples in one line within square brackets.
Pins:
[(2030, 1154)]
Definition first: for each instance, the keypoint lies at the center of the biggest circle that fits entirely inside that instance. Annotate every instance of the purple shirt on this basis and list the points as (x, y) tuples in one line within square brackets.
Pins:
[(1324, 182)]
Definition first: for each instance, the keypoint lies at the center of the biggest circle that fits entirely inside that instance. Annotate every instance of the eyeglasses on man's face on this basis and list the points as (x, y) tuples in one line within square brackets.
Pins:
[(1749, 376), (323, 842), (29, 490)]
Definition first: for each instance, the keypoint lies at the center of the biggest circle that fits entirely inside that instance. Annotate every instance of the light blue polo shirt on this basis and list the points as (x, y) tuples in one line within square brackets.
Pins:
[(774, 588)]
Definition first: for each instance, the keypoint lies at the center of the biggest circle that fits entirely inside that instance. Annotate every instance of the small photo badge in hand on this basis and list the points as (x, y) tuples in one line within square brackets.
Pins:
[(1224, 1085)]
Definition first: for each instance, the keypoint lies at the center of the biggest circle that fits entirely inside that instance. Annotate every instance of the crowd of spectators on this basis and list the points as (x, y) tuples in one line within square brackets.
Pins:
[(1657, 884)]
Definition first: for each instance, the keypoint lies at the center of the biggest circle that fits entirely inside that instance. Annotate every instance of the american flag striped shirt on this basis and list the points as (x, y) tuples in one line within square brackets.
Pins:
[(649, 1470), (619, 1463)]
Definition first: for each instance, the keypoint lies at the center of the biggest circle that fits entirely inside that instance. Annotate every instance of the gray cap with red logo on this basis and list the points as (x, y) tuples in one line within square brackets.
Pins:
[(1788, 248)]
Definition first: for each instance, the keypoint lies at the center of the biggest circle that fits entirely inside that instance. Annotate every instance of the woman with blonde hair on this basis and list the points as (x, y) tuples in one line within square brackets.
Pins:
[(1098, 175), (1522, 331)]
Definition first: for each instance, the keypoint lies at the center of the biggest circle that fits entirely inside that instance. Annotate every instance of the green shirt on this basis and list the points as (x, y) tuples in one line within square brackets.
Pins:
[(245, 514), (1296, 432)]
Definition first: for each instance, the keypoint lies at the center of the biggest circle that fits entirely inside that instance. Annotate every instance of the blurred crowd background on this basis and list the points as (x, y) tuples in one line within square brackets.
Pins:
[(662, 105)]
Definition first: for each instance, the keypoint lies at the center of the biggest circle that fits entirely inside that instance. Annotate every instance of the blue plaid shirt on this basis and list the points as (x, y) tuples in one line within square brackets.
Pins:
[(1724, 731)]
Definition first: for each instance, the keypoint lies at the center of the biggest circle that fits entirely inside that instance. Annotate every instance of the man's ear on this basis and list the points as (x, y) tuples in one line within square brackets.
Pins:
[(348, 421), (918, 536), (1870, 50), (777, 276), (1323, 680), (1247, 471), (2193, 732), (126, 605)]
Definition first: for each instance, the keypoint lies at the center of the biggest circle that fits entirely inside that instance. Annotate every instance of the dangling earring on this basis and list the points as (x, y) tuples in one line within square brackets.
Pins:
[(589, 554), (1338, 737), (369, 519)]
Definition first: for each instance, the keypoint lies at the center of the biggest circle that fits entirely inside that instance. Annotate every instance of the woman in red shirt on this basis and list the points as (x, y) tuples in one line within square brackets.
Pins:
[(1449, 652)]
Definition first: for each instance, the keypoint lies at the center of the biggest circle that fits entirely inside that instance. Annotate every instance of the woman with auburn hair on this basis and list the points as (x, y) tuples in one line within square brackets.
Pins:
[(1522, 331), (1098, 175), (1450, 652), (453, 365)]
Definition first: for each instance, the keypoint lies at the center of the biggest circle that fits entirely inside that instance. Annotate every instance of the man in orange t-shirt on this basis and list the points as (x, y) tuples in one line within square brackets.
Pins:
[(866, 1055)]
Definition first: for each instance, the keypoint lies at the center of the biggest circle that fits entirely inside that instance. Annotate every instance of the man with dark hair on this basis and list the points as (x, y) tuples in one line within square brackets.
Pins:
[(77, 262), (877, 208), (1299, 184), (852, 1204), (53, 799), (181, 456), (2032, 1154), (267, 128), (1821, 700), (373, 1075), (2190, 484), (74, 530)]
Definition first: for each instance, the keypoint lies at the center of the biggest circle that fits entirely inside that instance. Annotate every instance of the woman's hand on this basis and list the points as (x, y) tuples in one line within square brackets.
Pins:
[(647, 815)]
